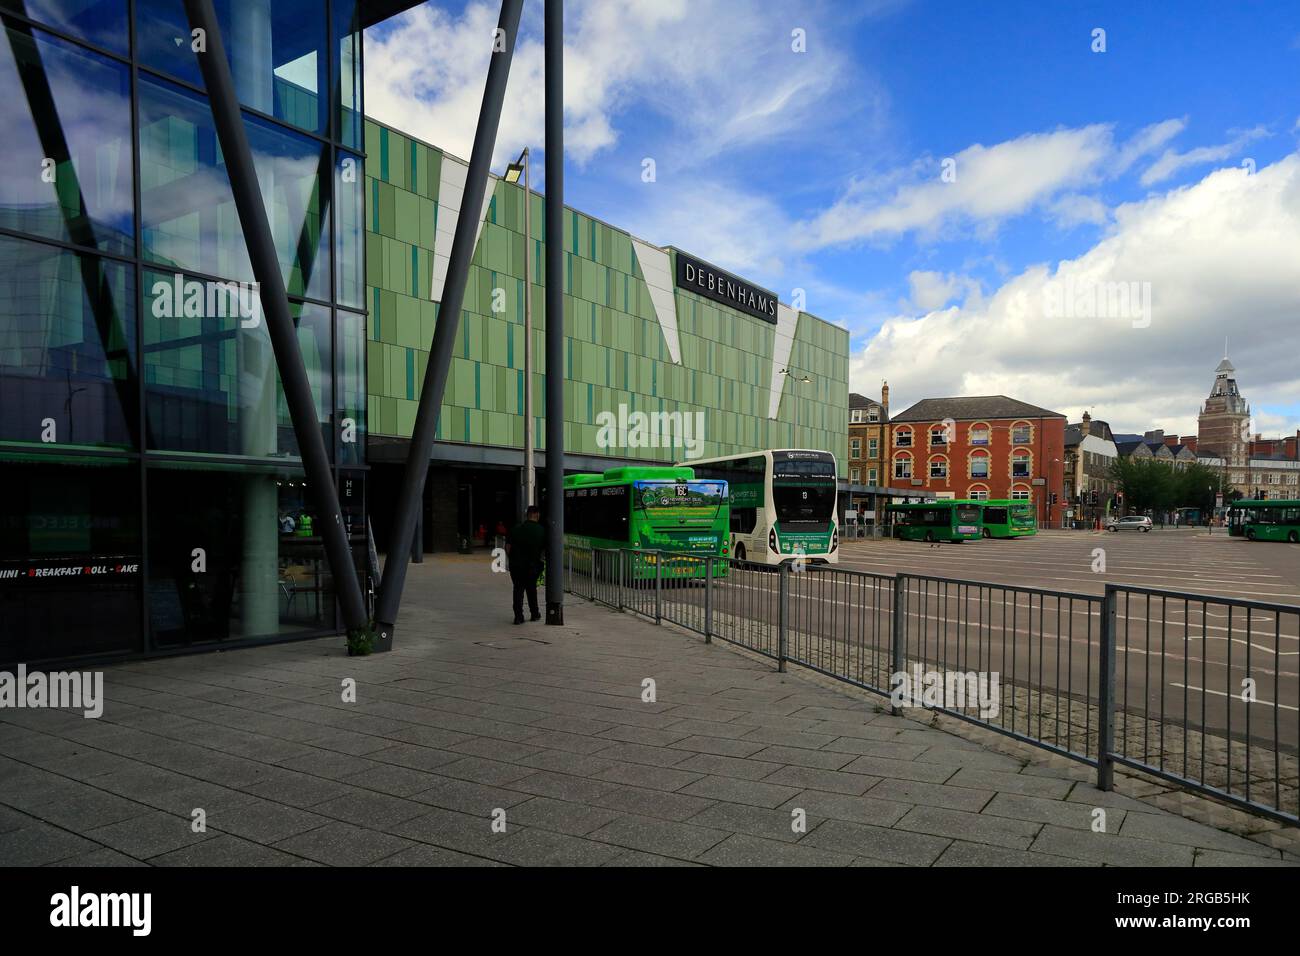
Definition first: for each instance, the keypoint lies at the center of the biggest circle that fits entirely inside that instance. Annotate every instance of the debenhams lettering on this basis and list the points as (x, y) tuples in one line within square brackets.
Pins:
[(727, 289)]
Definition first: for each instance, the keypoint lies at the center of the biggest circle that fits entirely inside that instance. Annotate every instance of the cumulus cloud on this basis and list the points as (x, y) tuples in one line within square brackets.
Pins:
[(934, 290), (1221, 256), (425, 73)]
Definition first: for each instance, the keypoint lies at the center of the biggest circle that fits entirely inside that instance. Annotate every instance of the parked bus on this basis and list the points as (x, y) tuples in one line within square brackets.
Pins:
[(782, 504), (1007, 518), (943, 520), (1274, 521), (652, 509), (1239, 513)]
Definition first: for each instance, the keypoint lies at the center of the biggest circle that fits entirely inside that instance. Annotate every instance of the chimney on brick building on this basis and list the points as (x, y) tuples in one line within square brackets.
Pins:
[(1086, 426), (884, 398)]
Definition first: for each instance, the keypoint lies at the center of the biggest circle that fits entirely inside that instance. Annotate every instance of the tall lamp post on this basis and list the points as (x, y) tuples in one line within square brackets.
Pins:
[(513, 172)]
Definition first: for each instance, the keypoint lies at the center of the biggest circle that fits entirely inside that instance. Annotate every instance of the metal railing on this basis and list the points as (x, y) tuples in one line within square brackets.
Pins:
[(1196, 690)]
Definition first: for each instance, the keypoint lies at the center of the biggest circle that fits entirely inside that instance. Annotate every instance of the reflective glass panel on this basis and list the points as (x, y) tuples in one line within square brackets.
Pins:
[(66, 121), (67, 347)]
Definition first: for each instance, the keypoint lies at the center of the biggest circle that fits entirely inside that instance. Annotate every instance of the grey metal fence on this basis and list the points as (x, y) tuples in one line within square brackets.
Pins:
[(1197, 690)]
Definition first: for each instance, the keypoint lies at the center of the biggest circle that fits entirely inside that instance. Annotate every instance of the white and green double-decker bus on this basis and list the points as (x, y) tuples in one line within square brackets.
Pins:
[(782, 504)]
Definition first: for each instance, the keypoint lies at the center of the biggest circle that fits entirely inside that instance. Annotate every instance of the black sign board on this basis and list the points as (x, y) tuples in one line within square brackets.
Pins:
[(713, 283)]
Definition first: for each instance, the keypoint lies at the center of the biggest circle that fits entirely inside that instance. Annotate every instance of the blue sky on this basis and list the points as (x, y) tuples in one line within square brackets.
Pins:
[(821, 171)]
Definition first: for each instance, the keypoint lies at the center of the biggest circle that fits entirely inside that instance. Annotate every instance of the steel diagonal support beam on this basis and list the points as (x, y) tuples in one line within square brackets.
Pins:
[(554, 82), (233, 139), (411, 491)]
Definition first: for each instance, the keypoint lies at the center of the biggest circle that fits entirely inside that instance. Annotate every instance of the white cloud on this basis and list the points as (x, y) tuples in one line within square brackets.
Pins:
[(988, 184), (720, 73), (934, 290), (1222, 256), (1171, 161)]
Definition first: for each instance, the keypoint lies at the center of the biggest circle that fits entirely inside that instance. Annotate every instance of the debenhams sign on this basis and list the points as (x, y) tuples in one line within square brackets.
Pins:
[(723, 287)]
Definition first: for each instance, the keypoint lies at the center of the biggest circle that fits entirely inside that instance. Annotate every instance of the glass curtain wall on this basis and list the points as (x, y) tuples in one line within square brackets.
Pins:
[(154, 491)]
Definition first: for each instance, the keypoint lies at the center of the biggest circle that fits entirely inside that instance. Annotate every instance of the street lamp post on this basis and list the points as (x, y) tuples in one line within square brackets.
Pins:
[(803, 380), (530, 475)]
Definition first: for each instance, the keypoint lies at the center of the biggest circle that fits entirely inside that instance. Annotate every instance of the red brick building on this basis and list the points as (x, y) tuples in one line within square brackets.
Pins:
[(981, 447)]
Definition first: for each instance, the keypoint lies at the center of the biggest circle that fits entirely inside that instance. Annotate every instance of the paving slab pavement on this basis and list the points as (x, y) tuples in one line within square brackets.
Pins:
[(476, 742)]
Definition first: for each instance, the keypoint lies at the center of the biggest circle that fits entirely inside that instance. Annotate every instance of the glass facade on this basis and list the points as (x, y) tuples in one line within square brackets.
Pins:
[(155, 497)]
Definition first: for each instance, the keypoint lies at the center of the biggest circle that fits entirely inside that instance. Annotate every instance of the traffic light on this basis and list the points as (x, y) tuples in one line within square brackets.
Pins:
[(1053, 497), (1094, 498)]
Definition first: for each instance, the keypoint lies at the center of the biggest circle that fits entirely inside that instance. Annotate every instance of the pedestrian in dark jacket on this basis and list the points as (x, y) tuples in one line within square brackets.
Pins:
[(526, 546)]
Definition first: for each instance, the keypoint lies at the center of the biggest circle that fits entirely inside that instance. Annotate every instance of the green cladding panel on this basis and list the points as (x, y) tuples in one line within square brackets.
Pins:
[(615, 352)]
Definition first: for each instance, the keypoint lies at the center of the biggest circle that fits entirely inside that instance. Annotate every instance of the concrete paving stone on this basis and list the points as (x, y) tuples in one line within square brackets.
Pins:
[(927, 736), (85, 763), (467, 796), (1061, 813), (40, 845), (571, 743), (741, 849), (650, 736), (395, 780), (755, 821), (834, 781), (710, 713), (819, 804), (872, 747), (507, 751), (642, 753), (415, 756), (491, 773), (839, 728), (1089, 795), (665, 837), (562, 786), (423, 855), (264, 822), (12, 819), (563, 761), (586, 726), (436, 738), (467, 833), (1172, 829), (342, 844), (653, 778), (332, 766), (1004, 782), (751, 792), (803, 757), (695, 727), (728, 766), (296, 789), (984, 759), (974, 827), (854, 713), (652, 803), (224, 850), (877, 843), (369, 809), (560, 816), (779, 736), (85, 808), (348, 742), (149, 835), (962, 853), (102, 857), (720, 746), (540, 847), (1109, 849), (931, 794), (892, 769), (637, 858), (1220, 858), (782, 722)]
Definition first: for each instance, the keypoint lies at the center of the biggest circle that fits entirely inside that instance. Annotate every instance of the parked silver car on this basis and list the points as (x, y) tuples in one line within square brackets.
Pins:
[(1131, 523)]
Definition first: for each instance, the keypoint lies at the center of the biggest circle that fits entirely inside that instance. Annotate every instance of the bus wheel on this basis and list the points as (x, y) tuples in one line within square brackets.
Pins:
[(929, 536), (740, 552), (1293, 537), (1250, 534), (986, 533)]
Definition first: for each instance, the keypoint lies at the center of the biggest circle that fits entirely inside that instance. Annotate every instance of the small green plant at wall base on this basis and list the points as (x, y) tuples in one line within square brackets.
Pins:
[(361, 641)]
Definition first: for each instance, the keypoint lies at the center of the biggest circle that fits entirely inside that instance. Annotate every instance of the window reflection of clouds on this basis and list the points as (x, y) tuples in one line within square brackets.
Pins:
[(92, 115)]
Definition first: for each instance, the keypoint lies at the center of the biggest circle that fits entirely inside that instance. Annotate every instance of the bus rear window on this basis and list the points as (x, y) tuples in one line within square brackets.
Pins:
[(686, 502)]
